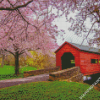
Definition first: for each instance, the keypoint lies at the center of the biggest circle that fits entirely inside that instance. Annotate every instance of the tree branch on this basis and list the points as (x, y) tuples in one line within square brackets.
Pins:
[(15, 8), (8, 51), (1, 1), (89, 32)]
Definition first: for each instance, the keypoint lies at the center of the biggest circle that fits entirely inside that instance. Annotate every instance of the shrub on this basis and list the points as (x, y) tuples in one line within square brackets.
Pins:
[(40, 61), (9, 60), (22, 61)]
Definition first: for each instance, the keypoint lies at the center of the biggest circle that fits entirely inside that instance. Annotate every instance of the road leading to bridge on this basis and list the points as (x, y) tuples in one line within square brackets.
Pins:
[(12, 82)]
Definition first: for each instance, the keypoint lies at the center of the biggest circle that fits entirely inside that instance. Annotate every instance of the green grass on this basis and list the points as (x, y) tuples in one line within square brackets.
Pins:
[(56, 90), (72, 61), (7, 72)]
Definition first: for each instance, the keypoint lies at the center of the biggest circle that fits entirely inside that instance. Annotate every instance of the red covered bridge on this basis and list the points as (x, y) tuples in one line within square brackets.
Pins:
[(87, 58)]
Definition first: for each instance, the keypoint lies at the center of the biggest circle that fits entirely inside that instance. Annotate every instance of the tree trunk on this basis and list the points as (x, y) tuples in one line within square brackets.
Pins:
[(2, 63), (16, 64)]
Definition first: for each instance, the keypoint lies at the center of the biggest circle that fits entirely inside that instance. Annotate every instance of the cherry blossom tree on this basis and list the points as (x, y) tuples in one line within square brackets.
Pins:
[(26, 25), (27, 10), (24, 14), (18, 44)]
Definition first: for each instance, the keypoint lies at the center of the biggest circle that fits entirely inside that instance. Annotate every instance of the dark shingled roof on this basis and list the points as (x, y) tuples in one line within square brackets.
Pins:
[(81, 47), (86, 48)]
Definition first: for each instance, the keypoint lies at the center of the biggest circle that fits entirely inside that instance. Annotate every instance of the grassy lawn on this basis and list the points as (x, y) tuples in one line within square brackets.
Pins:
[(7, 72), (56, 90), (72, 61)]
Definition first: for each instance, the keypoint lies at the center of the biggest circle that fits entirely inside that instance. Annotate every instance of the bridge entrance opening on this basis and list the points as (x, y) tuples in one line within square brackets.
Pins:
[(67, 60)]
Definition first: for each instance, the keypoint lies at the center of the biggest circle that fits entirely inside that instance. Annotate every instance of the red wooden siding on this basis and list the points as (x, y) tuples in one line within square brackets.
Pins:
[(86, 66), (67, 48)]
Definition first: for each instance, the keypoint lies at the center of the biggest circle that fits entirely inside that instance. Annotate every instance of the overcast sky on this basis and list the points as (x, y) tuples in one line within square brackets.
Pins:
[(70, 35)]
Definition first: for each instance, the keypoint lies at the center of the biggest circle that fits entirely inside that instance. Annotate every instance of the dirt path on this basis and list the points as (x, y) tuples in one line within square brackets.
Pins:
[(11, 82)]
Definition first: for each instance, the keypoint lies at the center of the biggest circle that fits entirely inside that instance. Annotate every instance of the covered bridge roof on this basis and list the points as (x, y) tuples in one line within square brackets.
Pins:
[(81, 47)]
